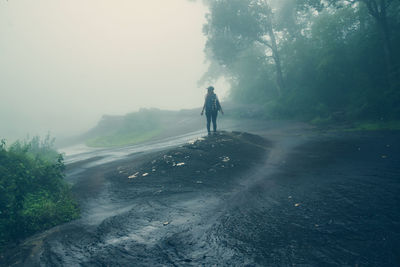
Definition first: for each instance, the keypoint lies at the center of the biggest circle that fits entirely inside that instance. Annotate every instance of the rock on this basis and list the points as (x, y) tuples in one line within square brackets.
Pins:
[(226, 159), (133, 175)]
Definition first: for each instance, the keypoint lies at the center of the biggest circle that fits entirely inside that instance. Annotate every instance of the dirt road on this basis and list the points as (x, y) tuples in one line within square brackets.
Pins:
[(298, 197)]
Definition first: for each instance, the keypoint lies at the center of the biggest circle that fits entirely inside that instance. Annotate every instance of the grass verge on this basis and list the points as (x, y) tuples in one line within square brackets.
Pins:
[(124, 139)]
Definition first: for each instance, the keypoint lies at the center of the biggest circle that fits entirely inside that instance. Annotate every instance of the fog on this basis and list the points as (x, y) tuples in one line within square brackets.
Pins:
[(66, 63)]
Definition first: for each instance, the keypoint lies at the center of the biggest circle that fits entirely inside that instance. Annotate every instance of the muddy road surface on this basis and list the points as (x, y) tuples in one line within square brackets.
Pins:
[(287, 195)]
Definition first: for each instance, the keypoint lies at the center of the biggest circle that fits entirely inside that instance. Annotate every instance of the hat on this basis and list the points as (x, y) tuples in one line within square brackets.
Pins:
[(210, 88)]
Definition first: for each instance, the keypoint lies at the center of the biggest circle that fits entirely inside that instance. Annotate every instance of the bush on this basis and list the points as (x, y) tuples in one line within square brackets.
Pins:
[(33, 193)]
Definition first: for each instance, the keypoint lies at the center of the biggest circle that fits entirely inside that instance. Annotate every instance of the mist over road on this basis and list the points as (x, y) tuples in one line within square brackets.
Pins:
[(297, 196)]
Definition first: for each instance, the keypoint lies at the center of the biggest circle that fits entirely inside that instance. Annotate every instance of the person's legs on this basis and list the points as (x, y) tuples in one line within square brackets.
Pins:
[(208, 115), (214, 120)]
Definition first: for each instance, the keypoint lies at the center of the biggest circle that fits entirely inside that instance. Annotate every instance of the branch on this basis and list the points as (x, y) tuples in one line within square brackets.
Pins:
[(261, 41)]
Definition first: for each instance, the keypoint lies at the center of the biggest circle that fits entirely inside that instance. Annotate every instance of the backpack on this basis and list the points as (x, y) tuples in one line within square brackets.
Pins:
[(212, 103)]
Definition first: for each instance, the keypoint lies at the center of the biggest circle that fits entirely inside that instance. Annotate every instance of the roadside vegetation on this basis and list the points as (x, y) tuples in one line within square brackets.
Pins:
[(130, 129), (123, 139), (33, 194), (325, 62)]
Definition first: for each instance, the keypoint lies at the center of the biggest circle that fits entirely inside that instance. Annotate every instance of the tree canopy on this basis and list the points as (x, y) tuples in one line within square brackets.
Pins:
[(309, 59)]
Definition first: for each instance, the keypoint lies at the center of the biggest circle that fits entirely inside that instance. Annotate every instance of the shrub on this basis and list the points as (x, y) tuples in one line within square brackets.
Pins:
[(33, 193)]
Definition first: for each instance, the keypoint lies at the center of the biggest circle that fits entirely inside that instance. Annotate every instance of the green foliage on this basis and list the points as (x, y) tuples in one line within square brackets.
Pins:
[(121, 139), (338, 58), (37, 148), (134, 128), (375, 126), (33, 193), (42, 210)]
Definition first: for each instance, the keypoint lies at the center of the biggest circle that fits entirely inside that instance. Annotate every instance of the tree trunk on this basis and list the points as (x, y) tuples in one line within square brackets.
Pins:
[(387, 49), (275, 54), (378, 10)]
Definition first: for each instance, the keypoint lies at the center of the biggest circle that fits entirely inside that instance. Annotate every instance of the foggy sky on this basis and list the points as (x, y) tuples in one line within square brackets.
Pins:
[(64, 63)]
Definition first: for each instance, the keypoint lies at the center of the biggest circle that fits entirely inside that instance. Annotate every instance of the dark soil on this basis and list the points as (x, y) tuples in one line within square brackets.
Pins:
[(301, 199), (144, 191)]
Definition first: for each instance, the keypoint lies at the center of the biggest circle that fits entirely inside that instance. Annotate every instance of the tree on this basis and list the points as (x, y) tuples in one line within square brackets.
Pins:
[(236, 25), (335, 56), (379, 10)]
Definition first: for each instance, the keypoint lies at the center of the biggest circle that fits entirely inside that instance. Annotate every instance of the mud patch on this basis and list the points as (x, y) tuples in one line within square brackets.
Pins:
[(137, 210), (209, 163)]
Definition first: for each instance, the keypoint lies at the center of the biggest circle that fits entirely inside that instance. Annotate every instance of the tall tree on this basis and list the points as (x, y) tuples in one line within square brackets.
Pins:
[(379, 10), (235, 25), (333, 55), (268, 38)]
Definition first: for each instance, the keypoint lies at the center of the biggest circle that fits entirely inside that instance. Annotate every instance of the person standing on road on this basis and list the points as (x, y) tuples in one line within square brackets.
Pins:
[(212, 106)]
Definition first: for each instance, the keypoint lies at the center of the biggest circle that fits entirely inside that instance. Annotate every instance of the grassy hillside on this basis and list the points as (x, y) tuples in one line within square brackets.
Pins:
[(140, 126), (126, 130)]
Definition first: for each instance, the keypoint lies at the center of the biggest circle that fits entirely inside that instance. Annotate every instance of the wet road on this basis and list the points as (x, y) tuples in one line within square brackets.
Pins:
[(315, 199)]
